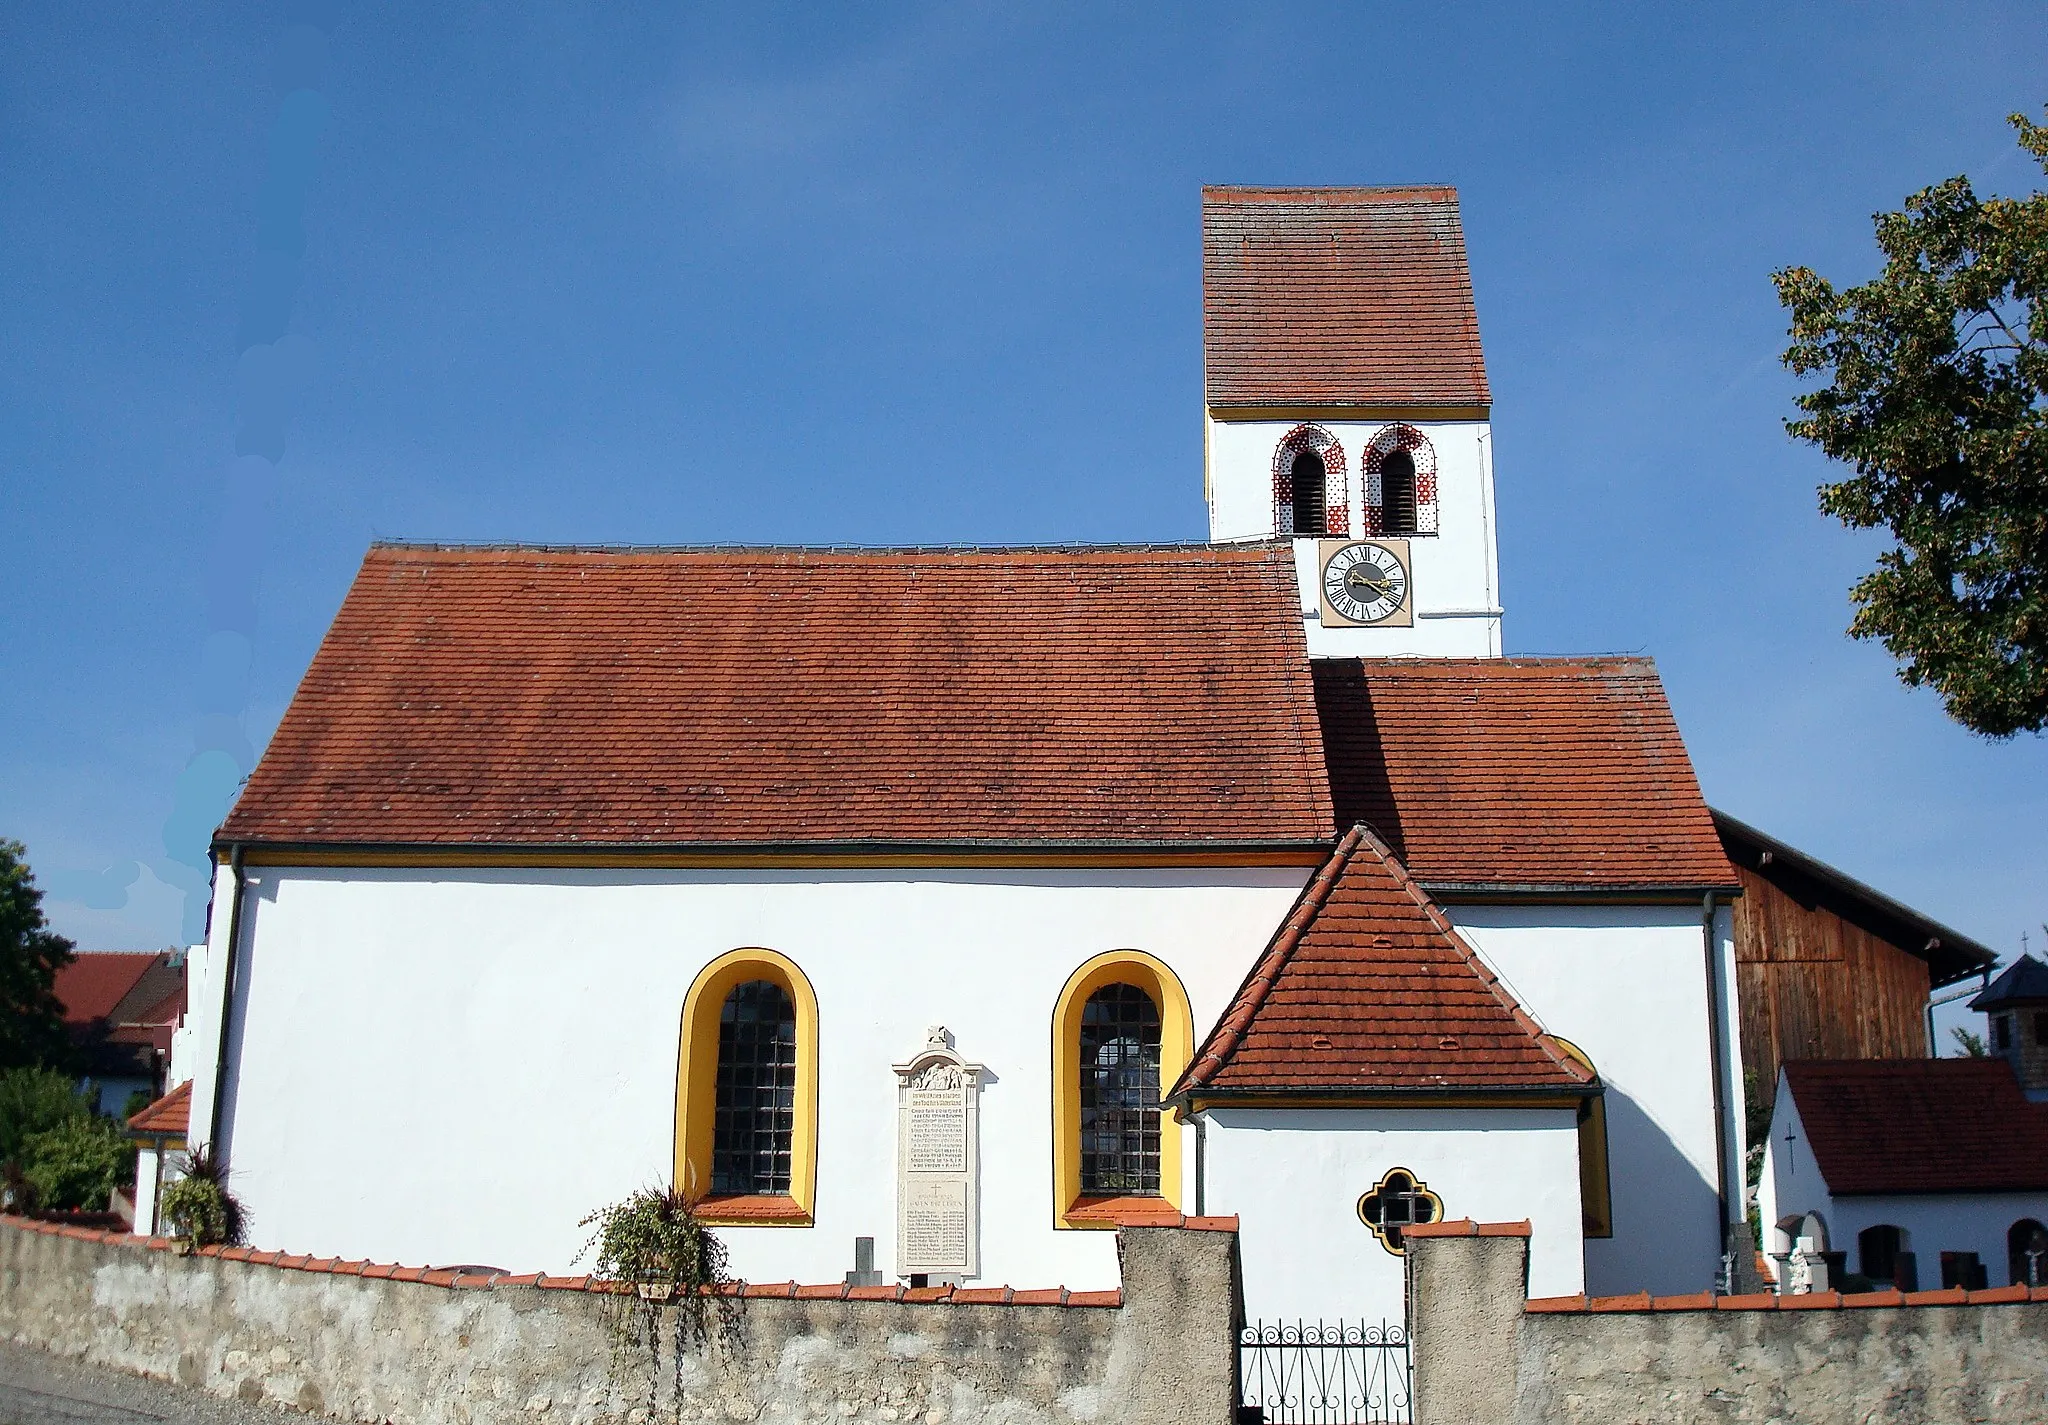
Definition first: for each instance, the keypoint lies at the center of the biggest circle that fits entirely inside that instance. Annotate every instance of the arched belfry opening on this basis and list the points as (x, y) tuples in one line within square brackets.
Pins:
[(1310, 493), (1308, 484), (1400, 483)]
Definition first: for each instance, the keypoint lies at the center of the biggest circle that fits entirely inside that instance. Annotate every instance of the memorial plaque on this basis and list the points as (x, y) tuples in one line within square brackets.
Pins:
[(938, 1163)]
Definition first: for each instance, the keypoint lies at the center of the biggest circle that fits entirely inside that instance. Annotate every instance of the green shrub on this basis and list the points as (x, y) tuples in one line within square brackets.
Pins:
[(77, 1164), (35, 1101), (198, 1206)]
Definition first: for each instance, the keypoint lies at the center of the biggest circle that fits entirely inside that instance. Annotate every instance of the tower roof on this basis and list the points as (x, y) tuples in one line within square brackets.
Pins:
[(1368, 989), (2025, 981), (1338, 297)]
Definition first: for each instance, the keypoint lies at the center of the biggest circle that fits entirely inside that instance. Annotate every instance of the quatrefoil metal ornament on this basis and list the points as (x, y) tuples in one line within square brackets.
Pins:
[(1398, 1200)]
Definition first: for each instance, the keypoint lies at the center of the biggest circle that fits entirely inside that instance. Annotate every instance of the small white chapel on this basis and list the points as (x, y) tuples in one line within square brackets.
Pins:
[(933, 912)]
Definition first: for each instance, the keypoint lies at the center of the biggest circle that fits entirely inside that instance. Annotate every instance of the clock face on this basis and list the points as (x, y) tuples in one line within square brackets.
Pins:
[(1366, 582)]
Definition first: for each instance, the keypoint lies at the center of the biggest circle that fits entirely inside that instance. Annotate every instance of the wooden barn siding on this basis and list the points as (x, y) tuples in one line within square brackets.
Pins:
[(1813, 985)]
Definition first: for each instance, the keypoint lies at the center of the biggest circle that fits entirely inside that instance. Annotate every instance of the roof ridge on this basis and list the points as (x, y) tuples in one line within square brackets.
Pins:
[(1078, 547), (1494, 986), (1224, 1039)]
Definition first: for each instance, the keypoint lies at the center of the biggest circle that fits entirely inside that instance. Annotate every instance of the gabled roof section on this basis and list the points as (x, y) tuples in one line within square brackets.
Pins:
[(1492, 775), (169, 1117), (1914, 1126), (578, 698), (2025, 981), (1950, 955), (1338, 297), (95, 983), (1368, 989)]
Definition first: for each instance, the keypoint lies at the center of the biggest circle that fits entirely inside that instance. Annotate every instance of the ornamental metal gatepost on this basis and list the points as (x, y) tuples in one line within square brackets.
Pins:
[(1323, 1373)]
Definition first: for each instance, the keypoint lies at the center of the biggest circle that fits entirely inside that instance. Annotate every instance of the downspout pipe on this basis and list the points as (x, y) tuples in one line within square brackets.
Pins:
[(1731, 1272), (1201, 1165), (215, 1139)]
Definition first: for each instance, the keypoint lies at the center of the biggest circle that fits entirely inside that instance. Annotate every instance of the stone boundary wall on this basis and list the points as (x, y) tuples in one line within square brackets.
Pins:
[(424, 1346), (1484, 1354)]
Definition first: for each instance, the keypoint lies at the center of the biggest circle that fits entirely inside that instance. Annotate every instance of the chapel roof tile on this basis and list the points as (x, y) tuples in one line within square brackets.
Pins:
[(1367, 987), (551, 697), (1914, 1126), (1545, 773), (1338, 297)]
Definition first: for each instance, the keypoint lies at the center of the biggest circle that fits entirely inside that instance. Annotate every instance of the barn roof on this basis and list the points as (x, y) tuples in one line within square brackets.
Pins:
[(537, 697), (1917, 1126), (1950, 954), (1367, 988), (95, 982), (1338, 297), (1490, 775)]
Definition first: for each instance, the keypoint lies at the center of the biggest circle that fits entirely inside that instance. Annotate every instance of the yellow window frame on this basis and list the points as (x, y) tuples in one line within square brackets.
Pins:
[(697, 1093), (1176, 1047)]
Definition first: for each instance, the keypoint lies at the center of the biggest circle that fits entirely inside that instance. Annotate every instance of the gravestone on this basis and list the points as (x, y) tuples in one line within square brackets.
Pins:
[(938, 1164)]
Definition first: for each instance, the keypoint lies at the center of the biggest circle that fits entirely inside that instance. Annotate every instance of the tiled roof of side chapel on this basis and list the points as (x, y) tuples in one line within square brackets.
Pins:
[(1367, 988)]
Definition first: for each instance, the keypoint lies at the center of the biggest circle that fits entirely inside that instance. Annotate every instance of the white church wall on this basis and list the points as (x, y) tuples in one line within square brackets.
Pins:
[(1456, 570), (1294, 1178), (456, 1065), (1628, 985)]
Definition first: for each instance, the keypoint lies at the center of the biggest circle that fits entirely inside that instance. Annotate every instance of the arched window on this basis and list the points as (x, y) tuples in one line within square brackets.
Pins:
[(756, 1114), (1309, 484), (1119, 1092), (1400, 483), (747, 1092), (1878, 1250), (1596, 1199), (2026, 1253), (1122, 1034)]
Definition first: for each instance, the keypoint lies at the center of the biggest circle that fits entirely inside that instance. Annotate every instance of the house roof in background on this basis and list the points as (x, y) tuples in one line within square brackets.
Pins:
[(1338, 297), (2024, 980), (169, 1117), (1918, 1126), (523, 697), (1367, 987), (1950, 955), (1552, 774), (95, 983)]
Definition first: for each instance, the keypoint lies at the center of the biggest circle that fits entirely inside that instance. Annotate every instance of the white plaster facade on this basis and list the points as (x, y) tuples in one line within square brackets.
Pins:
[(1793, 1186), (1456, 570), (1294, 1178), (455, 1066), (1628, 985)]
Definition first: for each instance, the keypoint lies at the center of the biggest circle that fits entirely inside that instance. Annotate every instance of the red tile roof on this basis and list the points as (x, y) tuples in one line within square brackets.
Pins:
[(522, 696), (96, 981), (1920, 1125), (1338, 297), (1367, 987), (1562, 773), (169, 1117)]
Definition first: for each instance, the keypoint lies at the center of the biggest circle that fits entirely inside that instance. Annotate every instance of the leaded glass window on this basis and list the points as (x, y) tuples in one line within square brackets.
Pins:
[(1119, 1092), (756, 1106)]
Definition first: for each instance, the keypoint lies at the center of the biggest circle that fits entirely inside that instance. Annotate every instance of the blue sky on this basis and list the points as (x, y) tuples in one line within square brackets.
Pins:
[(904, 273)]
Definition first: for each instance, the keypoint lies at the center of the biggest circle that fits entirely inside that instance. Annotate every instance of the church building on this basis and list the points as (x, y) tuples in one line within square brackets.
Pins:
[(967, 903)]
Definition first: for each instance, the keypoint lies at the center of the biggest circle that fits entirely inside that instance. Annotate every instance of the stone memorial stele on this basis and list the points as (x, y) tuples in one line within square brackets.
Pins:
[(938, 1163)]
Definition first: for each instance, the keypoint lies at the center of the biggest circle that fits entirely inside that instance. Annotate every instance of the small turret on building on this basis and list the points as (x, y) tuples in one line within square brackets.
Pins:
[(2017, 1005)]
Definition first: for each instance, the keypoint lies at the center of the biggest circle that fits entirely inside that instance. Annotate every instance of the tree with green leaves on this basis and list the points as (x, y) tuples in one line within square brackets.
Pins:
[(31, 1019), (1936, 373)]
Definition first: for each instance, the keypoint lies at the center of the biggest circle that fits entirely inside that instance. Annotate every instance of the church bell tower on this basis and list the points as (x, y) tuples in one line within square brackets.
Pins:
[(1347, 410)]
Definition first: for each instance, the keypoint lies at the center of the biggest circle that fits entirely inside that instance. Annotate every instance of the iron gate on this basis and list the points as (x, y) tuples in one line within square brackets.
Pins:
[(1323, 1373)]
